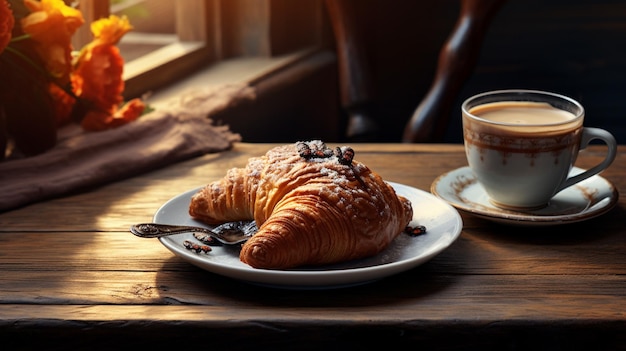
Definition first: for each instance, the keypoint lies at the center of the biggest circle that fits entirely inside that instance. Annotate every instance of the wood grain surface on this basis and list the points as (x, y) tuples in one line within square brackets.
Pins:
[(72, 276)]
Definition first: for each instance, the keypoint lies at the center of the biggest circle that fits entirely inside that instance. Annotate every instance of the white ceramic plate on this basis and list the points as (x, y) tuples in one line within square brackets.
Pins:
[(585, 200), (442, 221)]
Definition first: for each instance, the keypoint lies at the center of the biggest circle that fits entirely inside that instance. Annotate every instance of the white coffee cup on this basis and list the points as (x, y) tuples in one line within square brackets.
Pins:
[(522, 144)]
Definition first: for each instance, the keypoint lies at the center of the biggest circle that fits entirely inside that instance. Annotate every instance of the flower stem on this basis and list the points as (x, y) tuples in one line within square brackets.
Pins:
[(20, 38), (26, 59)]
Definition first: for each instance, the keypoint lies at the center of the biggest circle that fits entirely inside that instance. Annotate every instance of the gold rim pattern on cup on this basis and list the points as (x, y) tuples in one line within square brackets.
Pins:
[(530, 146)]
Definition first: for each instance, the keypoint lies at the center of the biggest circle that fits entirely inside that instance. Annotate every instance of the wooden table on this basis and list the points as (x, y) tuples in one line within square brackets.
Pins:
[(73, 276)]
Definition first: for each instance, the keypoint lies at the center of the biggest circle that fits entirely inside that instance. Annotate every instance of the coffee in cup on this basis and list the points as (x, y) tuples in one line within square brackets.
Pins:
[(522, 144)]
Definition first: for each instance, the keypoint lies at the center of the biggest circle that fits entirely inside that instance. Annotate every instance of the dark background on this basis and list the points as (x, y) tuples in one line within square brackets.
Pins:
[(576, 48)]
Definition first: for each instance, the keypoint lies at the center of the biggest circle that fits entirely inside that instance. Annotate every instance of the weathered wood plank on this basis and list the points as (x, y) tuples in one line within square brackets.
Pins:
[(72, 272), (116, 206), (545, 296)]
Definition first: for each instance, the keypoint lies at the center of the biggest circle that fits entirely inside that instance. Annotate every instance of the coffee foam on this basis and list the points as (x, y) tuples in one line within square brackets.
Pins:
[(519, 118)]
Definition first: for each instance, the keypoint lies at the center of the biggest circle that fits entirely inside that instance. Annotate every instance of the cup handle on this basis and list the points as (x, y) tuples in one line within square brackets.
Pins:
[(590, 134)]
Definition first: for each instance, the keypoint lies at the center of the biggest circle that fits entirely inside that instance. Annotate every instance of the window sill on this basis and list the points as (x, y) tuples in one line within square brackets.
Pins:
[(248, 70), (291, 90)]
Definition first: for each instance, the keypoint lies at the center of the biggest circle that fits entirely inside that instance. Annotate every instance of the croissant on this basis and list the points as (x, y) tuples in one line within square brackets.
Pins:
[(312, 205)]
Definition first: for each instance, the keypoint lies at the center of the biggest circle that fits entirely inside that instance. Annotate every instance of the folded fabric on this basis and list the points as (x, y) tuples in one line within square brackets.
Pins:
[(176, 131)]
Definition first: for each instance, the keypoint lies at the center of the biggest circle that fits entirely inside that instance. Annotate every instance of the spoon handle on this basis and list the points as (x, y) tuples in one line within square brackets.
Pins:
[(155, 230)]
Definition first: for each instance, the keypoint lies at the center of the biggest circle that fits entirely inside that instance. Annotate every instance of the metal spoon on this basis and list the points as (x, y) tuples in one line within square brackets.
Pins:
[(228, 233)]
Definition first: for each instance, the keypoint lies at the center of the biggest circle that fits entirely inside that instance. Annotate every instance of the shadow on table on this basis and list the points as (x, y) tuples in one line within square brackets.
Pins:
[(584, 232), (420, 282)]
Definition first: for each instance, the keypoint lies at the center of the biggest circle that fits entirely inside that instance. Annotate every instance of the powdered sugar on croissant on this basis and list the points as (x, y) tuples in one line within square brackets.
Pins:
[(313, 205)]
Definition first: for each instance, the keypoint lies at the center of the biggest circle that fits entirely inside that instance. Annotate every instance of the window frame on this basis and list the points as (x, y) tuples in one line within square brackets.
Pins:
[(192, 50), (210, 31)]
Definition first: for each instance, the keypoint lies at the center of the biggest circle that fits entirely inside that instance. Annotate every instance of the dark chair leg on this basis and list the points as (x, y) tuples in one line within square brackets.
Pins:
[(456, 62), (354, 71)]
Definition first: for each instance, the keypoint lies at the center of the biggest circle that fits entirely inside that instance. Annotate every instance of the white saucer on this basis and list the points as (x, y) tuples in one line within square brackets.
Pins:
[(585, 200)]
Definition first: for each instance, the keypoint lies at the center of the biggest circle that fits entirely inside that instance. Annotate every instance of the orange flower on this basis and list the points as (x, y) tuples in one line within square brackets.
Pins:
[(110, 30), (6, 24), (98, 70), (97, 77), (51, 25)]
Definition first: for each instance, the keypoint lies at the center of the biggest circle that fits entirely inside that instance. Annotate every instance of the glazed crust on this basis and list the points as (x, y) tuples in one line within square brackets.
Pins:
[(310, 211)]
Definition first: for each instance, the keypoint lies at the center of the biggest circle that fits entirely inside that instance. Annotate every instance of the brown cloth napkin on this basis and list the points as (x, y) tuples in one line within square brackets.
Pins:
[(174, 132)]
